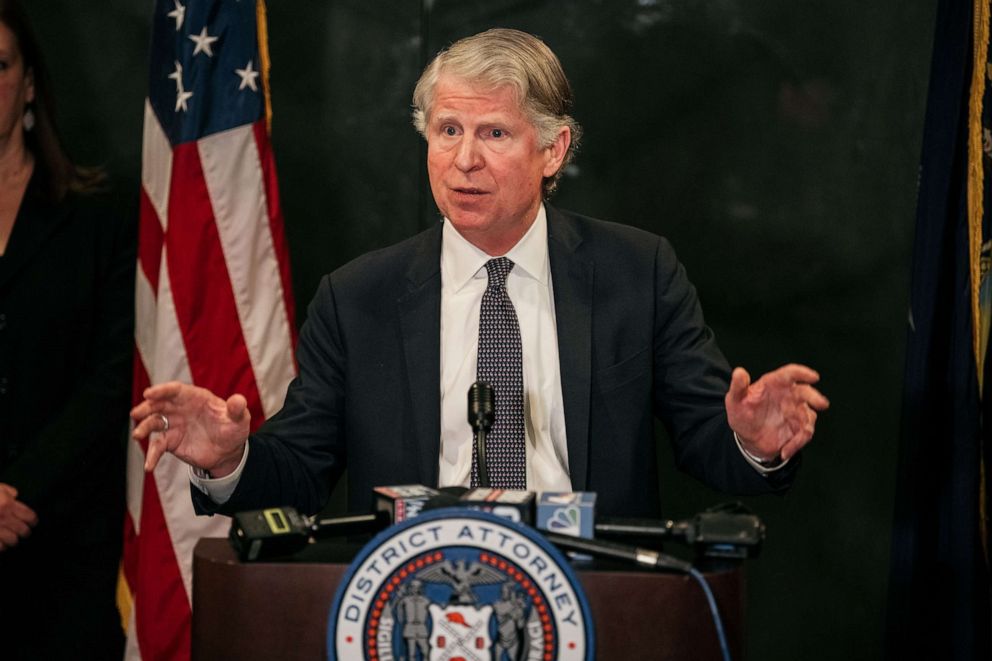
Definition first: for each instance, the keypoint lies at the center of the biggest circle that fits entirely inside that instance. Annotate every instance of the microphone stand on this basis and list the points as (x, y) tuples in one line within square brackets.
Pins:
[(480, 450)]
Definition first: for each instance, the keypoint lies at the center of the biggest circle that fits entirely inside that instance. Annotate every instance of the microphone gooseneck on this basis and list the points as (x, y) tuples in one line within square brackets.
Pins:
[(480, 416)]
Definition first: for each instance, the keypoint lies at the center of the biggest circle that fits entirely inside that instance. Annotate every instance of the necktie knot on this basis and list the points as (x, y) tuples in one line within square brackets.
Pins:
[(497, 270)]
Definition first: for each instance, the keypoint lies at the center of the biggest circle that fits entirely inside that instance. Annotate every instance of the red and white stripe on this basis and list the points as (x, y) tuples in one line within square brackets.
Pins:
[(213, 308)]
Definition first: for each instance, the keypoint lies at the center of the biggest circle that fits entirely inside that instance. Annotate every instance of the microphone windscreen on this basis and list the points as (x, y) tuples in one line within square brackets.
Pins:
[(456, 491), (480, 406), (567, 512), (442, 500), (402, 502)]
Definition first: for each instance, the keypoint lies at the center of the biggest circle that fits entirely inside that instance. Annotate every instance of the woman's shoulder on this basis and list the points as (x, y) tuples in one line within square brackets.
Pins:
[(97, 219)]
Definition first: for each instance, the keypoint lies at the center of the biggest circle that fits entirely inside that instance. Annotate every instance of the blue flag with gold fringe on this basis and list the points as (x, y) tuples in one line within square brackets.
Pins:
[(939, 603)]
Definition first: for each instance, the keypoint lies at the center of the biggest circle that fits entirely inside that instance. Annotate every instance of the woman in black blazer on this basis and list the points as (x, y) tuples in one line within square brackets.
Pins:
[(66, 337)]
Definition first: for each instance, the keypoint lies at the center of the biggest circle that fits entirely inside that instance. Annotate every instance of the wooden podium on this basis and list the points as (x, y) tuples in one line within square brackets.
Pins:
[(279, 610)]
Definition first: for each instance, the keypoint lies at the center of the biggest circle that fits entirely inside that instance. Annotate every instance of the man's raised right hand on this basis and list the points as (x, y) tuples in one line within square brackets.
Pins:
[(194, 424)]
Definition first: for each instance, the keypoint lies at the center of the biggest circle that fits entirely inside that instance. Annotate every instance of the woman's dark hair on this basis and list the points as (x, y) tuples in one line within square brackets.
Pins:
[(57, 170)]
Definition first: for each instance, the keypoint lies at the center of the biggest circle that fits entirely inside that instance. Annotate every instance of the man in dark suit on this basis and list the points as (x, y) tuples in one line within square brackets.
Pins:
[(592, 327)]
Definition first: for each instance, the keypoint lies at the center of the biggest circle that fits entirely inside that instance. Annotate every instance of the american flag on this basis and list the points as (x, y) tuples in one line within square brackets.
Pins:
[(213, 301)]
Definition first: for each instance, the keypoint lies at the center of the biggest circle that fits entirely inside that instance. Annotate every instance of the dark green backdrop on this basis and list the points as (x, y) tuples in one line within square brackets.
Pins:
[(774, 142)]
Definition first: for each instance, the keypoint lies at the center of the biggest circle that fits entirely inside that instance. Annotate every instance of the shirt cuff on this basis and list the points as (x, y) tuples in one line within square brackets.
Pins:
[(218, 489), (757, 464)]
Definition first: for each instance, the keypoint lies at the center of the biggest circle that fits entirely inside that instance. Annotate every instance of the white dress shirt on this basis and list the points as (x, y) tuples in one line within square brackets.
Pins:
[(463, 281)]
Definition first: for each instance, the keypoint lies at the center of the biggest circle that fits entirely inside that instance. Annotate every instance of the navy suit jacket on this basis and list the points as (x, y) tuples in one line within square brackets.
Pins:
[(632, 345)]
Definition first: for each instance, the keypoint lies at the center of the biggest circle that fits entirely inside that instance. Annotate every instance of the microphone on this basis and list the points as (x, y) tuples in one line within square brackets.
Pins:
[(402, 502), (480, 415), (600, 548), (514, 505), (726, 531), (277, 531), (480, 406)]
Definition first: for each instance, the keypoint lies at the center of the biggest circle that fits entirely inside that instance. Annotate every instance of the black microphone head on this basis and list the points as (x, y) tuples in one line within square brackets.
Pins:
[(442, 500), (456, 491), (480, 406)]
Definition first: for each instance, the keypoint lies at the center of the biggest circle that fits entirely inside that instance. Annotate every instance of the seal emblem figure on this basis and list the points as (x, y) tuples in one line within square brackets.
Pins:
[(460, 584)]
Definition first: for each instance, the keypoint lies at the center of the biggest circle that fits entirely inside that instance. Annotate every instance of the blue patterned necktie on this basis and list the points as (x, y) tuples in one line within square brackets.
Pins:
[(501, 366)]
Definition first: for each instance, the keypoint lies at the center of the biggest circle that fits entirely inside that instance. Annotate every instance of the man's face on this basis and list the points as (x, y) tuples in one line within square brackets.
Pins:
[(485, 163)]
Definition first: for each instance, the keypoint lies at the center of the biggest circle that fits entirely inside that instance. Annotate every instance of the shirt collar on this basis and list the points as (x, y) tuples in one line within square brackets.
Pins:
[(461, 261)]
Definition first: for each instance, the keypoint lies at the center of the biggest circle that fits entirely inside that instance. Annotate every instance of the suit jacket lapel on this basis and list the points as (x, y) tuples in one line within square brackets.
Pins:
[(419, 309), (572, 280)]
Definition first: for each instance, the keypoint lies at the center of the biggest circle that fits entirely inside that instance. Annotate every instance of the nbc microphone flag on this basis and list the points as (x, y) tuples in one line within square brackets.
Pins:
[(213, 299)]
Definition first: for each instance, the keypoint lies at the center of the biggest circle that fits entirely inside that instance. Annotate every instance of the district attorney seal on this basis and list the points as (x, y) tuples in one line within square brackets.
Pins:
[(460, 584)]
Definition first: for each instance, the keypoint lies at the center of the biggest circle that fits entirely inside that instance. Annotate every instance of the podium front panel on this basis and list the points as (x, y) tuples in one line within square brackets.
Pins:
[(279, 610)]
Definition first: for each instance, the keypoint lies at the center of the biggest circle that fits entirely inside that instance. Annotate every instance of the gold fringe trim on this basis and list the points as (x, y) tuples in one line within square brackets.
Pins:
[(125, 601), (976, 171), (266, 63), (975, 212)]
